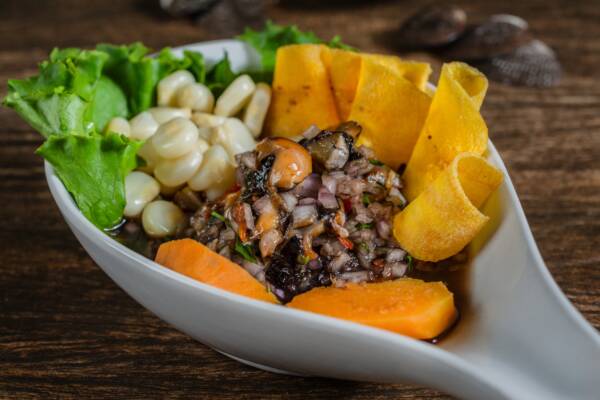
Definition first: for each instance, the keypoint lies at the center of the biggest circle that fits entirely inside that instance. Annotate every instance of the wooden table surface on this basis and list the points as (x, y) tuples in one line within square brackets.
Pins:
[(67, 331)]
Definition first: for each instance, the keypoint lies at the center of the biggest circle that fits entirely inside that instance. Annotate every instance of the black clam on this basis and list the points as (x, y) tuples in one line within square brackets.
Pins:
[(532, 64), (432, 26), (498, 35)]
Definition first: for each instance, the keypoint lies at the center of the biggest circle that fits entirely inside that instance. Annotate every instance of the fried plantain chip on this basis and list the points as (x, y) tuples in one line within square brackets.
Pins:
[(391, 111), (346, 70), (302, 93), (454, 125), (445, 217)]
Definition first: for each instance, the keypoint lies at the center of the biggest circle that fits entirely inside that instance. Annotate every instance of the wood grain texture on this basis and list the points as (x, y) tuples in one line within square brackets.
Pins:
[(67, 331)]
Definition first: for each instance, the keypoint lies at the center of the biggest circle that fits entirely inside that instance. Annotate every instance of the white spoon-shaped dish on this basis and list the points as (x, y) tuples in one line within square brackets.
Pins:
[(520, 339)]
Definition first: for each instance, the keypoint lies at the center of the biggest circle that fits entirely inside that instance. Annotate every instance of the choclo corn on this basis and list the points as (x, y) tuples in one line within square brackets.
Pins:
[(256, 111), (235, 97), (143, 126), (162, 218), (140, 189), (119, 125), (175, 138), (165, 114), (170, 84), (177, 171), (195, 96)]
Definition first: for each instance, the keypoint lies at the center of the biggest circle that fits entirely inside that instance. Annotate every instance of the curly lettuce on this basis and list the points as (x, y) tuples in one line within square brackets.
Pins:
[(273, 36), (70, 102)]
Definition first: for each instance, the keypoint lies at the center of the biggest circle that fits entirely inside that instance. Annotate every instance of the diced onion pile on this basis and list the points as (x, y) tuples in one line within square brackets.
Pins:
[(190, 139)]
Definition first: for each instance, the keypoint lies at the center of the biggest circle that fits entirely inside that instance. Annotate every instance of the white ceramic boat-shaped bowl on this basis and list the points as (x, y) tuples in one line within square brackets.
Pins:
[(521, 338)]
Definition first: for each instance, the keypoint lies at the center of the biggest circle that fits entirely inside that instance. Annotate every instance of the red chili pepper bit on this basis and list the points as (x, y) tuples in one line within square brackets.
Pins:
[(346, 243), (347, 205)]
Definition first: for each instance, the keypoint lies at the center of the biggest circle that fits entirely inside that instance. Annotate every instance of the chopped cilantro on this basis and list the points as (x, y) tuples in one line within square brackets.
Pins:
[(245, 250), (410, 261), (366, 199), (302, 259), (376, 162), (218, 216), (364, 226)]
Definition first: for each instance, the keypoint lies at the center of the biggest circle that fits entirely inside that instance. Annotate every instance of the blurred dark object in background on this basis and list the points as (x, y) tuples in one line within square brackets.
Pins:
[(178, 8), (501, 46), (432, 26), (222, 18), (500, 34), (229, 17)]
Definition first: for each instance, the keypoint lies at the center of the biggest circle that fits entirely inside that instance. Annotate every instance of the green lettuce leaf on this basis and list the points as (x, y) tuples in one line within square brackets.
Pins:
[(220, 76), (138, 74), (273, 36), (93, 169), (55, 102)]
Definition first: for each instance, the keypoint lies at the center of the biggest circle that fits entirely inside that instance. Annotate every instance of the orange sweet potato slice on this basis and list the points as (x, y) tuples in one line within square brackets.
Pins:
[(197, 261), (422, 310)]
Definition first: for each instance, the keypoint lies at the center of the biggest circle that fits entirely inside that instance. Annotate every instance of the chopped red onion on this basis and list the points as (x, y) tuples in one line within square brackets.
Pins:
[(269, 242), (289, 200), (327, 199), (362, 214), (311, 132), (396, 197), (355, 277), (263, 205), (253, 268), (304, 215), (398, 269), (383, 228), (248, 216), (329, 182), (338, 262), (395, 255), (307, 201), (309, 187), (247, 159), (339, 154)]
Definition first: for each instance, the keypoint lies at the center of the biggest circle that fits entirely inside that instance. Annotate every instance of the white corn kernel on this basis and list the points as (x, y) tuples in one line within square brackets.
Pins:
[(175, 138), (202, 145), (235, 97), (204, 132), (148, 153), (234, 137), (143, 126), (165, 114), (195, 96), (169, 85), (162, 218), (178, 170), (256, 111), (216, 170), (205, 120), (119, 125), (140, 189)]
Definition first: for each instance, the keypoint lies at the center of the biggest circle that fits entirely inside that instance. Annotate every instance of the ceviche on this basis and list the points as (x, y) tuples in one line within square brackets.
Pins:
[(327, 179)]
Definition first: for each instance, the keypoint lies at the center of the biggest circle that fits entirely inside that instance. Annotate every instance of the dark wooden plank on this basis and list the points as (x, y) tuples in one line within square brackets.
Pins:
[(67, 331)]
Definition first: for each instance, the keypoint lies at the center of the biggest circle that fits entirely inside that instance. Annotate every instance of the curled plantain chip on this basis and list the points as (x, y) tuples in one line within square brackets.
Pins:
[(301, 91), (453, 125), (445, 217)]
